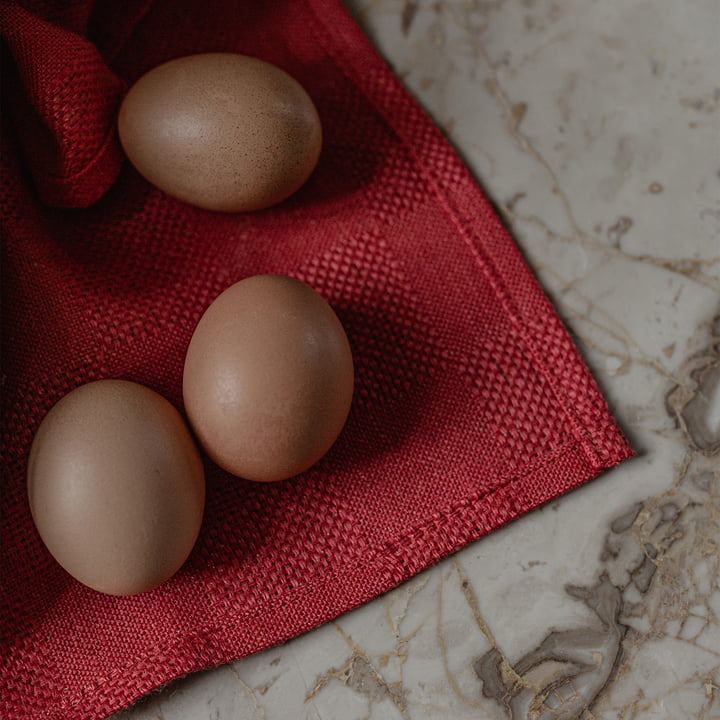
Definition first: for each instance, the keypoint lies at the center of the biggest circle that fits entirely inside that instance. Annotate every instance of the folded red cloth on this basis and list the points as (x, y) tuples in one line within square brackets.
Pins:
[(472, 405)]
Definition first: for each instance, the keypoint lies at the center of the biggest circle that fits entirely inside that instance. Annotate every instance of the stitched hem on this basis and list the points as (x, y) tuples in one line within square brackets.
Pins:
[(392, 557)]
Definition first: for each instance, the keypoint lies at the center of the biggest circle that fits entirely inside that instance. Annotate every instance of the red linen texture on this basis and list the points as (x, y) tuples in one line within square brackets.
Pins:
[(472, 406)]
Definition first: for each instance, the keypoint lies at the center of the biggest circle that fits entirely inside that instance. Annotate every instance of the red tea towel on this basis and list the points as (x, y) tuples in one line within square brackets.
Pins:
[(472, 405)]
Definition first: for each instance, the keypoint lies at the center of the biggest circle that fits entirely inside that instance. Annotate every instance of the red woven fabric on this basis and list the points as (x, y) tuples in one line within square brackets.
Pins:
[(472, 405)]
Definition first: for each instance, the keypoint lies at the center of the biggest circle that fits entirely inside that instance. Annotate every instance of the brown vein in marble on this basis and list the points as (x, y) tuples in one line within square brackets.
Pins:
[(265, 687), (472, 602), (695, 270), (696, 394), (707, 103), (247, 690), (576, 669), (515, 112), (446, 666), (568, 670), (395, 621), (666, 552), (407, 16), (361, 675), (400, 653), (630, 352), (690, 268)]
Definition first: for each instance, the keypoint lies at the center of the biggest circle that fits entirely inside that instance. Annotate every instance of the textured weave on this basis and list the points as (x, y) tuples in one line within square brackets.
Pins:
[(472, 406)]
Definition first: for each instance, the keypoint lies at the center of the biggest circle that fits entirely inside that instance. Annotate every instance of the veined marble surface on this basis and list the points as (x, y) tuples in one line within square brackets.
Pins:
[(594, 126)]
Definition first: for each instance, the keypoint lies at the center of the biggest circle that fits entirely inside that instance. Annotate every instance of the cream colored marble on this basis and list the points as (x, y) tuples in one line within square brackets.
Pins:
[(594, 126)]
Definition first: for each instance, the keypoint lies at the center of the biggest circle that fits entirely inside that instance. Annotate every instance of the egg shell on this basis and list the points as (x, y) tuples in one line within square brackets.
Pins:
[(268, 378), (116, 486), (221, 131)]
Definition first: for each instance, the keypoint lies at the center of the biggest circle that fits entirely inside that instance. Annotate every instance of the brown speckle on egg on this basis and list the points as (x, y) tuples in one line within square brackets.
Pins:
[(221, 131)]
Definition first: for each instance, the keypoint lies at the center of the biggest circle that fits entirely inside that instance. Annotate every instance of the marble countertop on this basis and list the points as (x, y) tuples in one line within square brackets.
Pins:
[(594, 127)]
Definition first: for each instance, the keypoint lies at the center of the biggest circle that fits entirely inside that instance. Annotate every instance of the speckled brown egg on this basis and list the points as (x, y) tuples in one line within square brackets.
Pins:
[(268, 378), (221, 131), (116, 486)]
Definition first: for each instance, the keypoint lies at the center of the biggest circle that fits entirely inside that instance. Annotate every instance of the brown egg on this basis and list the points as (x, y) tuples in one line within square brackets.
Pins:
[(116, 486), (221, 131), (268, 378)]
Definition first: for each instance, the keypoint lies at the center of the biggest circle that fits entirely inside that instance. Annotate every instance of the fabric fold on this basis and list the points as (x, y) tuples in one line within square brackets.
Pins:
[(63, 100)]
